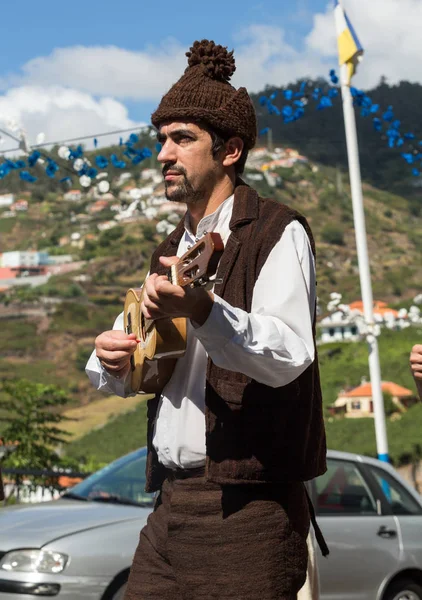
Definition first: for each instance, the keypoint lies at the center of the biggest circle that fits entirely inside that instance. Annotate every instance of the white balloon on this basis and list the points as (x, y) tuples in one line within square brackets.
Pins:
[(40, 138), (78, 164), (64, 152), (85, 181), (104, 186)]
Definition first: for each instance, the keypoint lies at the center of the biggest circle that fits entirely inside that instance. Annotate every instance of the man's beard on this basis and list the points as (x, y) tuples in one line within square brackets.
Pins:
[(181, 190)]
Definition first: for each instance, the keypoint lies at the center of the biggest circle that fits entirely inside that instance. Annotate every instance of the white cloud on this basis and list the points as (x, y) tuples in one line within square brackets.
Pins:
[(108, 70), (79, 90), (62, 113), (389, 31)]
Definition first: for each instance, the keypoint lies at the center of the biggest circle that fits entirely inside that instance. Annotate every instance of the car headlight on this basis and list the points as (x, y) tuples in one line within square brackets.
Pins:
[(34, 561)]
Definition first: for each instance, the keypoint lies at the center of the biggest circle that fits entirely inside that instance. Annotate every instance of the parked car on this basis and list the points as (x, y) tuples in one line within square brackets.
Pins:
[(80, 547)]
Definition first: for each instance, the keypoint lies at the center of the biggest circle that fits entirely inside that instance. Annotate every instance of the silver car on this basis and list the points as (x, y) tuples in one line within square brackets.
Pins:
[(81, 546)]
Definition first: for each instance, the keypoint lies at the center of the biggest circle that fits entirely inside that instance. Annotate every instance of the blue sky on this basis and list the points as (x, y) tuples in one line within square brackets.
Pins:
[(36, 28), (81, 66), (42, 27)]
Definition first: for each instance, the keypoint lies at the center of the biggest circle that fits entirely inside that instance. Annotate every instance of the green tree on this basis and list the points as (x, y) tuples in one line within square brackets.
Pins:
[(30, 417), (389, 406)]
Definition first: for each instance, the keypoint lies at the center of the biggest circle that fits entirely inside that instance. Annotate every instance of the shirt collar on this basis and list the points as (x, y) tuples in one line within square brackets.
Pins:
[(216, 221)]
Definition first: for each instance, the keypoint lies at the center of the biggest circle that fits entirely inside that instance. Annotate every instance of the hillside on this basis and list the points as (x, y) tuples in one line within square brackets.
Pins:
[(342, 365), (47, 332), (320, 134)]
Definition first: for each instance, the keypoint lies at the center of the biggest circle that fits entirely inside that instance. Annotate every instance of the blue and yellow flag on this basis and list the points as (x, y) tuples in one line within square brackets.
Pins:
[(350, 50)]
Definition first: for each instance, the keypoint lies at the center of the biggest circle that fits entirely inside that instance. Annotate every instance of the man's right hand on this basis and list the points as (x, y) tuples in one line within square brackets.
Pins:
[(114, 349), (416, 366)]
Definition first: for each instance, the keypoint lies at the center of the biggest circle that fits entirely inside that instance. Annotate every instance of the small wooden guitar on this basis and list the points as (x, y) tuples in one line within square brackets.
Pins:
[(163, 341)]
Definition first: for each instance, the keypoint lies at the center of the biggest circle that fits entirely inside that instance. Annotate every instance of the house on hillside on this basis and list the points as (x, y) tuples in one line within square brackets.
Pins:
[(24, 259), (73, 196), (342, 326), (6, 199), (358, 403), (337, 327), (98, 206), (20, 205)]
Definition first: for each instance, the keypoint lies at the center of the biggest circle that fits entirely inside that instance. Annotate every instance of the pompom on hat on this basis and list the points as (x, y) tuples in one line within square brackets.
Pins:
[(204, 94)]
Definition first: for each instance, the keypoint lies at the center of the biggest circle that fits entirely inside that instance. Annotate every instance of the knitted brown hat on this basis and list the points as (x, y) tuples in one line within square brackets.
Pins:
[(204, 93)]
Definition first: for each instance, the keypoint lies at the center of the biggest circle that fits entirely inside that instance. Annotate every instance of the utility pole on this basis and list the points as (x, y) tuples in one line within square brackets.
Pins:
[(270, 139)]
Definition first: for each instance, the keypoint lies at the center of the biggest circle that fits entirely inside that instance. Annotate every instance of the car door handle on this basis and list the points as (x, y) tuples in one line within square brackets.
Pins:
[(386, 533)]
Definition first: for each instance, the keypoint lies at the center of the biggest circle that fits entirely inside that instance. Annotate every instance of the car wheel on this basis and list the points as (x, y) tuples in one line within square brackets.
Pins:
[(404, 589), (121, 592)]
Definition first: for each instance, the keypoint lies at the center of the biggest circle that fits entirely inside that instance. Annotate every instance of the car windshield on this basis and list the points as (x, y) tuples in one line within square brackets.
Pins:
[(120, 482)]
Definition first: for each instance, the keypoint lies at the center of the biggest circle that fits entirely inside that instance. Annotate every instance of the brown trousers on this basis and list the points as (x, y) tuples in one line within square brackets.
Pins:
[(204, 541)]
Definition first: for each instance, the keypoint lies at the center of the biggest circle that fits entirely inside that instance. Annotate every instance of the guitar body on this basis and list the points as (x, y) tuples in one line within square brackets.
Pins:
[(163, 341)]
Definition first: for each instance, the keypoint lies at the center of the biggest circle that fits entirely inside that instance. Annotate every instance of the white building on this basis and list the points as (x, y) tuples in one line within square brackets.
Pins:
[(73, 196), (338, 328), (30, 258), (7, 199)]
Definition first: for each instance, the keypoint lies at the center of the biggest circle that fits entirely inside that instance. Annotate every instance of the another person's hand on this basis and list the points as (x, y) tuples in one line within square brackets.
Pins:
[(114, 349), (416, 366), (162, 299)]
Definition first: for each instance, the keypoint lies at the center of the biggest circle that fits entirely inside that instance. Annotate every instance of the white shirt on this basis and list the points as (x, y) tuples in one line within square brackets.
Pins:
[(273, 343)]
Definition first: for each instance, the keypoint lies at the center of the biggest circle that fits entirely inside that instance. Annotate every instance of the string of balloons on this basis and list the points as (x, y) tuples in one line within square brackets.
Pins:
[(87, 170), (384, 121)]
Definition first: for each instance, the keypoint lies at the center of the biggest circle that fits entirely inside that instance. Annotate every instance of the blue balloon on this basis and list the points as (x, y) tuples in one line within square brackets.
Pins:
[(408, 157), (158, 147), (133, 138), (50, 171), (26, 176), (377, 124), (333, 93), (263, 100), (325, 102), (287, 111), (288, 94), (101, 161), (32, 158), (388, 115), (273, 110)]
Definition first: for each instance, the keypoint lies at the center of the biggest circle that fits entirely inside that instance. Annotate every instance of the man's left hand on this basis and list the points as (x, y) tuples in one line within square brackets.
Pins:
[(162, 299)]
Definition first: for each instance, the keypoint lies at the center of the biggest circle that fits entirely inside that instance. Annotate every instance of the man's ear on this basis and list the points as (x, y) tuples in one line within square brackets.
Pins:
[(232, 151)]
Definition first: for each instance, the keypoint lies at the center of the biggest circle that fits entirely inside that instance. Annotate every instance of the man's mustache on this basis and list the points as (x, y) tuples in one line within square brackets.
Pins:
[(173, 169)]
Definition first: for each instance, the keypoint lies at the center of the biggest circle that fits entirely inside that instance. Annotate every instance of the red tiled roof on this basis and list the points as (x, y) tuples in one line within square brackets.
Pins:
[(365, 390)]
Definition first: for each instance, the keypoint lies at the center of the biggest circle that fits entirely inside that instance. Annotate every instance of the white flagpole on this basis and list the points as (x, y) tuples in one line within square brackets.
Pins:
[(363, 262)]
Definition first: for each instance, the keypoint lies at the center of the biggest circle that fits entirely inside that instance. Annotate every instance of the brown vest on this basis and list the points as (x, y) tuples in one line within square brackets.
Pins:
[(254, 433)]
